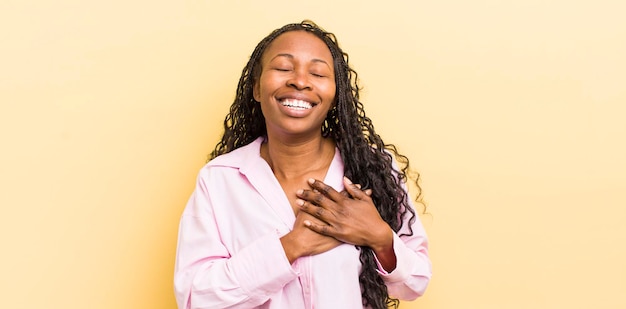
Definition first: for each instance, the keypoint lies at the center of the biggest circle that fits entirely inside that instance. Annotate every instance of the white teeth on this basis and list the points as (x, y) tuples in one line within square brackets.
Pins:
[(296, 104)]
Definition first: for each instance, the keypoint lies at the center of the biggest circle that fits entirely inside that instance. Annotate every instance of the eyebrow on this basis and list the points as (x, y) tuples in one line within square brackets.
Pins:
[(290, 56)]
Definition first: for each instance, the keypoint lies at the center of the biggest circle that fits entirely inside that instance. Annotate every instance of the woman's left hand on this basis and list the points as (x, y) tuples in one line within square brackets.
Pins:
[(350, 218)]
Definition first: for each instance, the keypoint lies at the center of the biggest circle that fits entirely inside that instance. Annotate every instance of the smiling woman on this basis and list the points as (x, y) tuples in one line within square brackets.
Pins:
[(275, 217)]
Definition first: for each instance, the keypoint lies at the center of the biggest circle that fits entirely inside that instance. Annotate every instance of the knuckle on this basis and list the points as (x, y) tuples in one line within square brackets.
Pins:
[(341, 212), (339, 231), (318, 198), (319, 212), (325, 189)]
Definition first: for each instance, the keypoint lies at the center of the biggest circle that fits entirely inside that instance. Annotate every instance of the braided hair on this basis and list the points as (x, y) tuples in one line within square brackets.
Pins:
[(367, 159)]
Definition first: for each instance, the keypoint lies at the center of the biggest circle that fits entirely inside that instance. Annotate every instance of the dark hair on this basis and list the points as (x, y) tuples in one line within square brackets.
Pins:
[(367, 159)]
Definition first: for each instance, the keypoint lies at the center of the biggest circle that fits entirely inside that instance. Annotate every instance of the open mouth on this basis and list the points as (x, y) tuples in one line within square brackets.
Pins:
[(297, 104)]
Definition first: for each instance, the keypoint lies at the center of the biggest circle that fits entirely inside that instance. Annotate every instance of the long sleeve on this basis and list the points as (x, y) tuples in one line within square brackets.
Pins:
[(413, 271), (207, 275), (412, 274)]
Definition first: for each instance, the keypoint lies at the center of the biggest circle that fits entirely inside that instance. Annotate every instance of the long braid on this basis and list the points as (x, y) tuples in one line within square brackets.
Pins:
[(367, 159), (368, 162)]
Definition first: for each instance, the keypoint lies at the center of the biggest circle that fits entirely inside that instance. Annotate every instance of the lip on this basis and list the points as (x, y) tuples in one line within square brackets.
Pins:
[(297, 96), (295, 112)]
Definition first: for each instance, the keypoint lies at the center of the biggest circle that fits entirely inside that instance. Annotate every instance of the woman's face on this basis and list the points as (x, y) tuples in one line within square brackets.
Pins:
[(296, 87)]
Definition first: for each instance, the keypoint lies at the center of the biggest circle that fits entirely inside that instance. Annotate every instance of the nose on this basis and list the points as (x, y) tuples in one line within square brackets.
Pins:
[(299, 80)]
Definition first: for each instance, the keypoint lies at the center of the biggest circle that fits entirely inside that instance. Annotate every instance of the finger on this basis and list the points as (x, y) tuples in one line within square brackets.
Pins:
[(313, 210), (325, 189), (354, 191), (358, 185), (322, 229), (346, 194), (315, 197)]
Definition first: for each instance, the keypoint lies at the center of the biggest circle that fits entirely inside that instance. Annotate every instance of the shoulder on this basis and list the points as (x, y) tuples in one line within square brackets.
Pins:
[(229, 167), (239, 157)]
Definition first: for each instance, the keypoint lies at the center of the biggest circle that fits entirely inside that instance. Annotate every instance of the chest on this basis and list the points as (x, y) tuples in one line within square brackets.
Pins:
[(291, 186)]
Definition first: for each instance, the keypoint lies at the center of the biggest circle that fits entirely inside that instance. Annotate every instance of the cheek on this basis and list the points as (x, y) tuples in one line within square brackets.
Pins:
[(327, 89), (332, 92), (266, 85)]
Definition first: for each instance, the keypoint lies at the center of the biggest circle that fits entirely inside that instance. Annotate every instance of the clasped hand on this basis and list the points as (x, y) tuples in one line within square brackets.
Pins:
[(350, 218)]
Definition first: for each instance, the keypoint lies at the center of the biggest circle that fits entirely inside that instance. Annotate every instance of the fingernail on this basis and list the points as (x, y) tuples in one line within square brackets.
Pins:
[(311, 181), (299, 202), (299, 192), (307, 222), (347, 180)]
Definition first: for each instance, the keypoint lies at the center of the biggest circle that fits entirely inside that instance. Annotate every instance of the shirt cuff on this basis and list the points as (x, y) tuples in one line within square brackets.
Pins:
[(403, 262)]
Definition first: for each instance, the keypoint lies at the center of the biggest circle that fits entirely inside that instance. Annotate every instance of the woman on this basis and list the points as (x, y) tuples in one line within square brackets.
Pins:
[(275, 220)]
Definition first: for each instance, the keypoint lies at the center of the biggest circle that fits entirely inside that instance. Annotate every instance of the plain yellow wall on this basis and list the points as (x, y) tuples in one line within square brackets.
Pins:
[(513, 112)]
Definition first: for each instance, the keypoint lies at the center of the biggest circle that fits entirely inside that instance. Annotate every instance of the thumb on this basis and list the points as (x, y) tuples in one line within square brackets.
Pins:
[(353, 190)]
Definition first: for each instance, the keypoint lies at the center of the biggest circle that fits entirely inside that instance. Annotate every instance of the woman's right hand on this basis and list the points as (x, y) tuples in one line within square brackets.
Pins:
[(302, 241)]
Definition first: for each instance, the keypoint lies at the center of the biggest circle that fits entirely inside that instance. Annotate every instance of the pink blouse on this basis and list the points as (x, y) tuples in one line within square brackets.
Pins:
[(229, 252)]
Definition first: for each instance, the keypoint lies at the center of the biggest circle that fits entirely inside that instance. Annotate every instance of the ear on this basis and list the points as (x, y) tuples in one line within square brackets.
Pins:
[(256, 90)]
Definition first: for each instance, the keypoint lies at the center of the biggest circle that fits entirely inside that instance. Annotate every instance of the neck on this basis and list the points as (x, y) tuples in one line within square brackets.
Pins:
[(295, 158)]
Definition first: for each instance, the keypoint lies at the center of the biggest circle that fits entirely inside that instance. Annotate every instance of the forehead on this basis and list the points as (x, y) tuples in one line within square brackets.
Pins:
[(298, 43)]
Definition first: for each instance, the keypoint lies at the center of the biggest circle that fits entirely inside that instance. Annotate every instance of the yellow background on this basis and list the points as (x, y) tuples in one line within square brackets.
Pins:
[(513, 112)]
